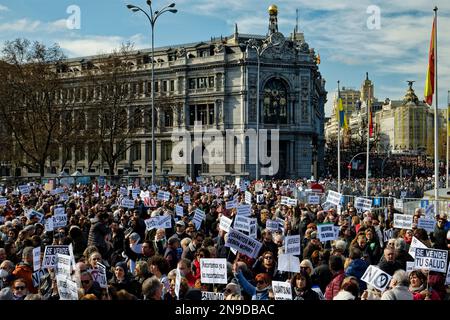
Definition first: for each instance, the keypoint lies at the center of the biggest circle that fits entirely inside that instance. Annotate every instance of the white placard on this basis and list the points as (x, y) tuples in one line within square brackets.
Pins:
[(187, 199), (259, 187), (177, 283), (128, 203), (60, 211), (429, 211), (415, 243), (213, 271), (179, 210), (388, 234), (427, 224), (363, 204), (163, 195), (447, 277), (253, 228), (208, 295), (24, 189), (292, 245), (198, 218), (243, 210), (403, 221), (313, 199), (59, 221), (431, 259), (135, 193), (376, 277), (67, 289), (50, 255), (272, 225), (36, 258), (409, 266), (231, 204), (241, 223), (3, 201), (225, 223), (288, 263), (334, 197), (242, 243), (259, 198), (49, 226), (398, 204), (282, 290), (63, 265), (326, 232), (248, 197), (123, 191), (36, 277)]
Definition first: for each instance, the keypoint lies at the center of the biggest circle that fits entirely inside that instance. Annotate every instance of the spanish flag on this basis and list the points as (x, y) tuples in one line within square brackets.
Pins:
[(429, 82)]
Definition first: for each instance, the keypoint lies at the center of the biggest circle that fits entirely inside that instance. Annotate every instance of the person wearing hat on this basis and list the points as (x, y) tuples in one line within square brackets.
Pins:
[(180, 231), (122, 280), (439, 235)]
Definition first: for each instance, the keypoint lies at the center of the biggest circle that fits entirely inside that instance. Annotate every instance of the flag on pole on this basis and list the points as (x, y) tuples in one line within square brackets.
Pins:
[(429, 83), (369, 108), (448, 120), (342, 118)]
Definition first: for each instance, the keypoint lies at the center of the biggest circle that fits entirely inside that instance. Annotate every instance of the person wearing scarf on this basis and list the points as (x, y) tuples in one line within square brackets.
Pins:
[(418, 287), (263, 285), (301, 287)]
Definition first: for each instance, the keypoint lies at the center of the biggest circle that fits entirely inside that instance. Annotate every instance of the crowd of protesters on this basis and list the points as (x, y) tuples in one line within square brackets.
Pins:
[(164, 263)]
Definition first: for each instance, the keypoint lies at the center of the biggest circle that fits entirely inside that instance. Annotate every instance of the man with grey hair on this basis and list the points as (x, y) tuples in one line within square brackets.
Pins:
[(389, 264), (399, 287), (152, 289), (401, 253)]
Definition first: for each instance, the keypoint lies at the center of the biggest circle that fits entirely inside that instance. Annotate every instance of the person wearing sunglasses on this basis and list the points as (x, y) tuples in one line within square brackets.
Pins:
[(19, 289), (263, 284)]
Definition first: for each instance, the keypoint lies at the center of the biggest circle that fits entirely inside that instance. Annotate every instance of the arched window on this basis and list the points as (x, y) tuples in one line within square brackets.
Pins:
[(275, 102)]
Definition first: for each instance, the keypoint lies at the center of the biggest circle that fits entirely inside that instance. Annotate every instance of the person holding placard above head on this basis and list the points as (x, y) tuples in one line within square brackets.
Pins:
[(263, 285), (301, 287), (418, 287)]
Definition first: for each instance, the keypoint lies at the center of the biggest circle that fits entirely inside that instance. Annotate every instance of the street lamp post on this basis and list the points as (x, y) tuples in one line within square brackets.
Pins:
[(152, 17), (350, 163), (260, 49)]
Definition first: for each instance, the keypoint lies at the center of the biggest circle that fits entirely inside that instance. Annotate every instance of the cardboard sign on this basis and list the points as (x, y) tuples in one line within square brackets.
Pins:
[(313, 199), (123, 191), (376, 278), (334, 197), (213, 271), (208, 295), (363, 204), (427, 224), (242, 224), (128, 203), (272, 225), (67, 289), (63, 265), (225, 223), (403, 221), (326, 232), (231, 204), (187, 199), (415, 243), (198, 218), (50, 255), (243, 244), (288, 263), (177, 283), (282, 290), (243, 210), (292, 245), (135, 193), (431, 259), (163, 195), (248, 197), (36, 258), (409, 266), (179, 210)]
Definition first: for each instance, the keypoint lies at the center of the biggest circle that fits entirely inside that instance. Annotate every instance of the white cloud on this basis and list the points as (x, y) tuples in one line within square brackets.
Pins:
[(3, 8), (90, 45), (22, 25)]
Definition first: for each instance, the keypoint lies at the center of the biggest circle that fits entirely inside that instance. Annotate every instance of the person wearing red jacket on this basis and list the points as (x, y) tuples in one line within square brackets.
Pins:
[(24, 269), (337, 270)]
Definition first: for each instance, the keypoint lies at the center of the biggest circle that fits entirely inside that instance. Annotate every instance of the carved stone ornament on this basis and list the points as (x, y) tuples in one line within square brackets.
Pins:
[(218, 48), (181, 52)]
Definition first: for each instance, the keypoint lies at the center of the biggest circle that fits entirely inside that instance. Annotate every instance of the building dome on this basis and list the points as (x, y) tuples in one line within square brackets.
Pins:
[(273, 10), (410, 96)]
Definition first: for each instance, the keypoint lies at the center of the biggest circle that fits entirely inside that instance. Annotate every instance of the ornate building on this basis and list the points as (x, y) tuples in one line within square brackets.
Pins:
[(214, 83)]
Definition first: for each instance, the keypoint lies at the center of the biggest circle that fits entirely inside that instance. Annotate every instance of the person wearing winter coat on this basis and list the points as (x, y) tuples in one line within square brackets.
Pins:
[(399, 287), (263, 285), (357, 267), (301, 287), (337, 269)]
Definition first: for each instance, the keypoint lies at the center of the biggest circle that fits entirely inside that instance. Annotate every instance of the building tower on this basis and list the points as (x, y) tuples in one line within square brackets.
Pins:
[(273, 20)]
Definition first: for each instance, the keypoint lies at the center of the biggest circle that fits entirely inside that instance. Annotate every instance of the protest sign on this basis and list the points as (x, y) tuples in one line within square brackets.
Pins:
[(424, 203), (398, 204), (403, 221), (431, 259), (409, 266), (179, 210), (363, 204), (135, 193), (231, 204), (213, 271), (187, 199), (243, 210), (447, 277), (288, 262), (128, 203), (63, 265), (36, 258), (292, 245), (415, 243), (67, 289), (288, 201), (198, 218), (259, 186), (225, 223), (3, 201), (163, 195), (313, 199), (101, 275), (50, 255), (326, 232), (427, 224), (36, 277), (376, 278), (24, 189), (59, 221), (429, 211), (253, 228), (272, 225), (282, 290), (260, 198), (241, 224), (208, 295), (334, 197), (388, 234), (248, 197), (158, 222), (49, 226), (177, 283), (243, 243), (38, 214)]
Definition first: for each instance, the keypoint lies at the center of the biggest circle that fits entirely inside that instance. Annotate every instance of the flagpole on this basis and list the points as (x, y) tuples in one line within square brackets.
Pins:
[(436, 139), (368, 142), (446, 174), (339, 142)]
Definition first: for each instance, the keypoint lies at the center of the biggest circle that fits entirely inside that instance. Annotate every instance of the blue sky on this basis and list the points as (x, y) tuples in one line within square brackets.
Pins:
[(392, 54)]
